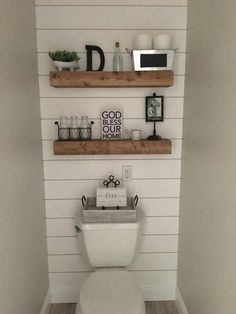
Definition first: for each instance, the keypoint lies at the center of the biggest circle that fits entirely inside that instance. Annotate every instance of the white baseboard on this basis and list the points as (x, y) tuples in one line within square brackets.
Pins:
[(45, 307), (149, 294), (180, 303)]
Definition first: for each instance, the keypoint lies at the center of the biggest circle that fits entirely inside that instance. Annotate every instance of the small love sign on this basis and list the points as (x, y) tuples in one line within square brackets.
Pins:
[(111, 197), (111, 124)]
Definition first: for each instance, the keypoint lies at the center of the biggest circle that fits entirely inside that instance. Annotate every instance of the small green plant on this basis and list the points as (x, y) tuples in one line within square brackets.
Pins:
[(64, 56)]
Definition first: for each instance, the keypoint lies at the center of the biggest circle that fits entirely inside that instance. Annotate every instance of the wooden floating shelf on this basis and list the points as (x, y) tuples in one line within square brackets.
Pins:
[(112, 79), (100, 147)]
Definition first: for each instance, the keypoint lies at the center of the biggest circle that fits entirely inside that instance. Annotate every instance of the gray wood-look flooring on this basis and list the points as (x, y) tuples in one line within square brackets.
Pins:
[(163, 307)]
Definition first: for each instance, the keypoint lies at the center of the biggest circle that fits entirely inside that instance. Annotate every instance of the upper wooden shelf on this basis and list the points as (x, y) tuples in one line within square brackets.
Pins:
[(101, 147), (112, 79)]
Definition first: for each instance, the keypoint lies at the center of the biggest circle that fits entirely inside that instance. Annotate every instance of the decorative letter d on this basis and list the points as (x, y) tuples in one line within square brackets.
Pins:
[(90, 50)]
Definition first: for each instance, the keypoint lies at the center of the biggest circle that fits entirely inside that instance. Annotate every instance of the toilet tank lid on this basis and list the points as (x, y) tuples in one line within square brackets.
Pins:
[(109, 226)]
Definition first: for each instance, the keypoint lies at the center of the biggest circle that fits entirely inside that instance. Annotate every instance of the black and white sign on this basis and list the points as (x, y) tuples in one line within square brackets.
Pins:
[(111, 197), (111, 124)]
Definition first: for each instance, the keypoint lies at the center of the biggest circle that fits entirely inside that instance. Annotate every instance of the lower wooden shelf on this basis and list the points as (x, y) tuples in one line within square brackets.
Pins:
[(100, 147)]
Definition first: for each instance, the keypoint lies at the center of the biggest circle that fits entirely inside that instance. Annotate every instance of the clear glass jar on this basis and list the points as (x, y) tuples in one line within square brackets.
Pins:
[(85, 129), (74, 128), (63, 128)]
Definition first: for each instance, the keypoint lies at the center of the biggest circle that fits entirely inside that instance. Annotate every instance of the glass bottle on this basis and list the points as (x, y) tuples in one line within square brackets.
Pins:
[(117, 59), (74, 128), (85, 129), (63, 129)]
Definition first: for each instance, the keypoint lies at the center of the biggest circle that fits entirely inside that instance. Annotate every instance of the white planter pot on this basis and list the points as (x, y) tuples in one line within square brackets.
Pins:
[(66, 65)]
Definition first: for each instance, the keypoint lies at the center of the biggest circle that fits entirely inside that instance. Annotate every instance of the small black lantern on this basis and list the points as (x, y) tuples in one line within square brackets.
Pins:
[(154, 113)]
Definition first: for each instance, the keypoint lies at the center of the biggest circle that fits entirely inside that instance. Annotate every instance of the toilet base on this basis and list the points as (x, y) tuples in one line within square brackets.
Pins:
[(79, 311)]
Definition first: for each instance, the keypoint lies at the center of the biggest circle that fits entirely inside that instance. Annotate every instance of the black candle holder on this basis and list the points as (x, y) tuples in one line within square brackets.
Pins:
[(154, 136)]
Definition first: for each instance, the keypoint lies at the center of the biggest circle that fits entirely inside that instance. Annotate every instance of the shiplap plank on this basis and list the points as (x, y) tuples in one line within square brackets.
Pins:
[(152, 225), (108, 17), (170, 128), (62, 208), (145, 261), (144, 278), (154, 261), (114, 2), (133, 108), (85, 170), (177, 90), (151, 207), (45, 64), (149, 243), (69, 189), (69, 280), (161, 225), (66, 263), (48, 154), (160, 206), (156, 278), (48, 40), (60, 227), (159, 243), (64, 245)]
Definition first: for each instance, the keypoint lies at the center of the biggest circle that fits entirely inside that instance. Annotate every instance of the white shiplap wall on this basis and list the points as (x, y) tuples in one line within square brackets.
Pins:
[(71, 24)]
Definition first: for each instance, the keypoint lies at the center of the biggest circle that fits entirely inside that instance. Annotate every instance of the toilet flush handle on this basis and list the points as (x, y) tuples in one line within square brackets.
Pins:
[(135, 200), (84, 201), (77, 229)]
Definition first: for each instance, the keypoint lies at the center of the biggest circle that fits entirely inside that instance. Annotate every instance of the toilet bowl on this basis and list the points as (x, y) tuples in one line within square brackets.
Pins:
[(110, 248), (110, 292)]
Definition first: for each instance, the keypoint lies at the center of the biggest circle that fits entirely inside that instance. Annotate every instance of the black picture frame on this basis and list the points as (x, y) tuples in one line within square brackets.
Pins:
[(155, 108)]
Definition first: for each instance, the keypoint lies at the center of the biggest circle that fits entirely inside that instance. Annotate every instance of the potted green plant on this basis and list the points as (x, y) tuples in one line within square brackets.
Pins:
[(64, 59)]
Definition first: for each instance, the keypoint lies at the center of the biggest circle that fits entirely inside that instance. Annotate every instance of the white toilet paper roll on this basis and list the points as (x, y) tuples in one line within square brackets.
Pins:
[(162, 41), (143, 42)]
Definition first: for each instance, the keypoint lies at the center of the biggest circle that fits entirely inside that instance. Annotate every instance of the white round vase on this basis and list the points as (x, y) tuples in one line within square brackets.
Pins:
[(73, 65)]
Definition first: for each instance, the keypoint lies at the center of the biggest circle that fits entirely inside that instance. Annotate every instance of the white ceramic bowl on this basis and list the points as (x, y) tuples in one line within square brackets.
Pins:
[(66, 65)]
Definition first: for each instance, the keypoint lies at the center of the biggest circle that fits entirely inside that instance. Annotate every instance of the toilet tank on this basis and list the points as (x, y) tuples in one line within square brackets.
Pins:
[(111, 244)]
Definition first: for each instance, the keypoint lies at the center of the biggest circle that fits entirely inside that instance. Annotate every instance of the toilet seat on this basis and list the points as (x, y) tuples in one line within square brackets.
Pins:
[(111, 291)]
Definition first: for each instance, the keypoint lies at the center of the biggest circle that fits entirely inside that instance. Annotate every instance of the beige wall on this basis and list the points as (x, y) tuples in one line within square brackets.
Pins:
[(23, 266), (206, 277)]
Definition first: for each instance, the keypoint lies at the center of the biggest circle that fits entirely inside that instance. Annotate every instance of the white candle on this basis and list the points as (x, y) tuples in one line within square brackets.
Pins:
[(143, 42), (136, 135), (162, 41)]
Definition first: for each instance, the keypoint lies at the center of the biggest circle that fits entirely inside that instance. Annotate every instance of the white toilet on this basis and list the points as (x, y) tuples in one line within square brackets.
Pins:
[(110, 247)]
